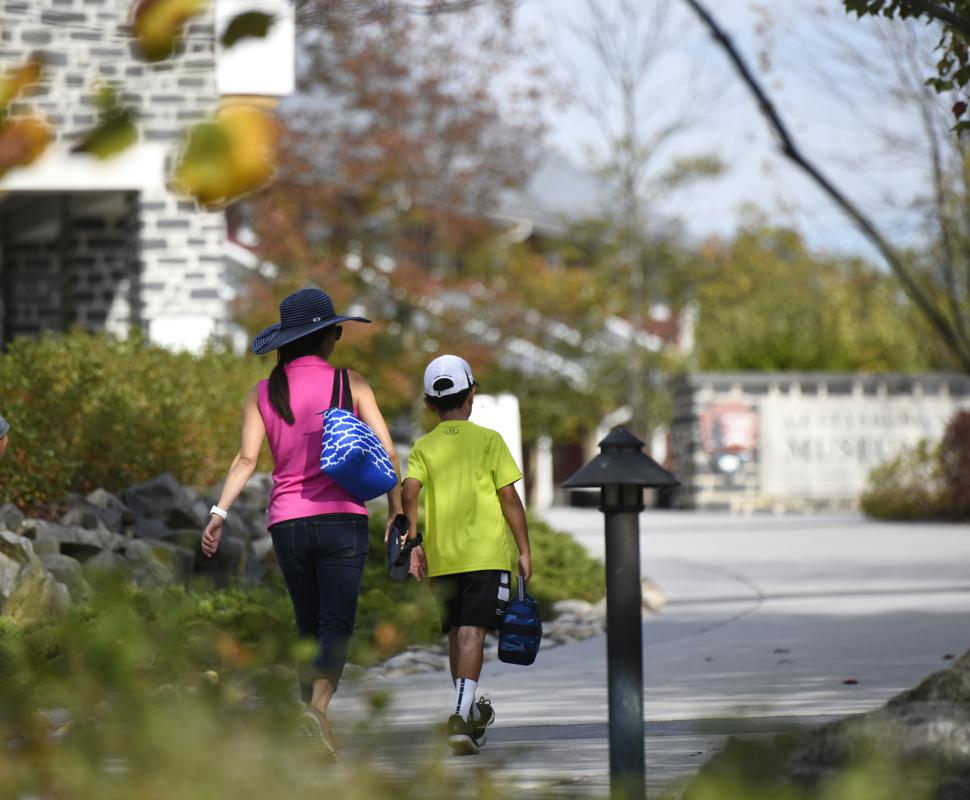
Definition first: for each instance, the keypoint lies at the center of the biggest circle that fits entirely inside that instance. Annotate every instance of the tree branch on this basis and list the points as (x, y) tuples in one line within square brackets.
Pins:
[(957, 345), (939, 13)]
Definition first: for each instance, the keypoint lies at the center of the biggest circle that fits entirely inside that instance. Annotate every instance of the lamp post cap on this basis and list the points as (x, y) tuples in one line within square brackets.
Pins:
[(621, 439), (621, 462)]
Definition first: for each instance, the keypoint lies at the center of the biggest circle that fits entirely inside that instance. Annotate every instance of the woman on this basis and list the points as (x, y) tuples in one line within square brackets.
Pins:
[(319, 531)]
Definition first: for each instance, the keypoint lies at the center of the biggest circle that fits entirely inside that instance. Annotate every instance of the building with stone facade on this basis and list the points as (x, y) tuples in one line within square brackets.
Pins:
[(105, 244)]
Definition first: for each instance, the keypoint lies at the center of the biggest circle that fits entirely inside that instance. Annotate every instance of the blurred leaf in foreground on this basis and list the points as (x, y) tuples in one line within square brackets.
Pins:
[(252, 24), (22, 140), (229, 156), (159, 25), (13, 83), (115, 131)]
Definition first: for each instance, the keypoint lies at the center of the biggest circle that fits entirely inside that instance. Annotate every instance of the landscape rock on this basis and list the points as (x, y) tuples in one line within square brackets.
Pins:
[(146, 528), (577, 608), (180, 561), (71, 540), (108, 561), (37, 595), (263, 548), (165, 499), (97, 509), (227, 566), (147, 569), (15, 553), (653, 597), (67, 571), (926, 728), (10, 518)]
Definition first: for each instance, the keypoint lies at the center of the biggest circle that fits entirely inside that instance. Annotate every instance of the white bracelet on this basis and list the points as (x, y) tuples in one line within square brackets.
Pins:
[(219, 512)]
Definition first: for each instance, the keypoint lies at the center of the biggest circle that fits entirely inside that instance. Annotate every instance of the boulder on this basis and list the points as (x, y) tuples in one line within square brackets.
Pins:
[(10, 518), (71, 540), (145, 528), (108, 561), (147, 569), (15, 552), (99, 509), (9, 570), (653, 597), (67, 571), (29, 592), (179, 561), (255, 494), (165, 499), (924, 731), (263, 548), (110, 507), (227, 566)]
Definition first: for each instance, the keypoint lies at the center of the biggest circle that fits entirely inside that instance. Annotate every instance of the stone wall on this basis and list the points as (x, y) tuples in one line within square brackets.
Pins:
[(69, 260), (788, 441), (177, 295)]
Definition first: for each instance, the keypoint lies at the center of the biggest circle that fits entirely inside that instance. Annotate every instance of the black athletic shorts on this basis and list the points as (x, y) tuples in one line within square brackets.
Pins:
[(478, 599)]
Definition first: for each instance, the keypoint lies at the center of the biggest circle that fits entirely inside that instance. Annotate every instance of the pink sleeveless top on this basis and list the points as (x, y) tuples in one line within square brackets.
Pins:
[(300, 489)]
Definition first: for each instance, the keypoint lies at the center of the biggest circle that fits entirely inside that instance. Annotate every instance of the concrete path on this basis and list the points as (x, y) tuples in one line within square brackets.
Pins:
[(770, 622)]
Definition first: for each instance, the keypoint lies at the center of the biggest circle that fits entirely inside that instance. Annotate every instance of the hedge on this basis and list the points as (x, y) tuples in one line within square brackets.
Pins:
[(89, 410)]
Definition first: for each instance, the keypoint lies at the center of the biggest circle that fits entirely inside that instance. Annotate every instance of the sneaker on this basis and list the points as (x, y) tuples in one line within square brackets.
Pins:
[(486, 716), (461, 736)]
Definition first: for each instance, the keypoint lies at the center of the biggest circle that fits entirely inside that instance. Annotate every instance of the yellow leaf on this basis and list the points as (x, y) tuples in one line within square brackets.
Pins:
[(13, 83), (229, 156), (159, 25), (22, 140)]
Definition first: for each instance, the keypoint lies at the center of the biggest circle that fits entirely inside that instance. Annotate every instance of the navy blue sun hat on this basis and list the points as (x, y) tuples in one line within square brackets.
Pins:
[(302, 312)]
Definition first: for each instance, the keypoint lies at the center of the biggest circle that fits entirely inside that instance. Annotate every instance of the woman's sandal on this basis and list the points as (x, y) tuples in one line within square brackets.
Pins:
[(311, 726)]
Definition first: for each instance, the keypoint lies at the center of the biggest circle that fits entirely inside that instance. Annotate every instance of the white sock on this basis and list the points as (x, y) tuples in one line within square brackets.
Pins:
[(464, 696), (474, 711)]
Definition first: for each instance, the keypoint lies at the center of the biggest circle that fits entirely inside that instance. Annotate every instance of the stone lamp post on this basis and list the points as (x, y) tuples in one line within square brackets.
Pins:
[(622, 471)]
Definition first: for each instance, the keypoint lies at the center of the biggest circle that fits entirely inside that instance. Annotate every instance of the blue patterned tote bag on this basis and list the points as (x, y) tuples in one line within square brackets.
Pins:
[(351, 454)]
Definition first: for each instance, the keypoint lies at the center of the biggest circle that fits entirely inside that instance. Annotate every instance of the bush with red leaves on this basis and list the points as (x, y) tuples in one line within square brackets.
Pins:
[(955, 465)]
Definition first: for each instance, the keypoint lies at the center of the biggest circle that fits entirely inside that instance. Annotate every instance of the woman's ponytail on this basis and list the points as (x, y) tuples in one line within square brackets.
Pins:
[(279, 386), (279, 392)]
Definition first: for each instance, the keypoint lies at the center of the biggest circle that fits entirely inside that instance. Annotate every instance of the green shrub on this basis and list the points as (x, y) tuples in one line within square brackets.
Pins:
[(170, 694), (924, 482), (89, 410), (909, 487)]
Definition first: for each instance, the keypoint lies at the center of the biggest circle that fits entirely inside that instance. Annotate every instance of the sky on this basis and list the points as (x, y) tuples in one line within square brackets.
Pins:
[(838, 114)]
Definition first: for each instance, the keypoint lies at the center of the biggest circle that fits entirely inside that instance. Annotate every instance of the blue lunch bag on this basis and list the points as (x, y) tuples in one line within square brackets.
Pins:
[(520, 630), (351, 453)]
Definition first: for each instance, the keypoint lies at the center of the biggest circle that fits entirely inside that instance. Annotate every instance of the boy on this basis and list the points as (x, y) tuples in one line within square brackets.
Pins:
[(470, 500)]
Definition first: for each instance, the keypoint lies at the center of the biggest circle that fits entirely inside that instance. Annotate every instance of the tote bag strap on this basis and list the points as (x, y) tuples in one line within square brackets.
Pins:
[(341, 396)]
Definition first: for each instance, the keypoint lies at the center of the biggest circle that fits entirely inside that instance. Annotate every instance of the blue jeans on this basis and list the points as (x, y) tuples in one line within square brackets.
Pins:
[(322, 560)]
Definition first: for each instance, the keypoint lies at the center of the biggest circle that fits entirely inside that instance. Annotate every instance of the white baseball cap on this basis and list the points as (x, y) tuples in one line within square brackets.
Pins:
[(454, 370)]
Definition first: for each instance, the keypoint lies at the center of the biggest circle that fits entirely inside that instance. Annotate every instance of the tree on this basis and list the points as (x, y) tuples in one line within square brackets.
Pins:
[(395, 155), (953, 68), (638, 119), (933, 308), (767, 303)]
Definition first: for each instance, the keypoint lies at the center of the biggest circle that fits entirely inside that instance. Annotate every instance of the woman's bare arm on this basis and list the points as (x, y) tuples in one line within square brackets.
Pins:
[(241, 469)]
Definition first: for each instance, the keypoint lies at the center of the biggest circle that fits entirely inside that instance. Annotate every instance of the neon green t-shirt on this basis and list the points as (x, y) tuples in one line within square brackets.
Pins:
[(461, 467)]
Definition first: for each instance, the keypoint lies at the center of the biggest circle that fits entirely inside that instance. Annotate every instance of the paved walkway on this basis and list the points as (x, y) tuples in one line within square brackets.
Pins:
[(770, 622)]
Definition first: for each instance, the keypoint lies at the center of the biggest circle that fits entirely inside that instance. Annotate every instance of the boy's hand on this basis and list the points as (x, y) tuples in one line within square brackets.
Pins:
[(525, 566), (419, 564), (3, 443)]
